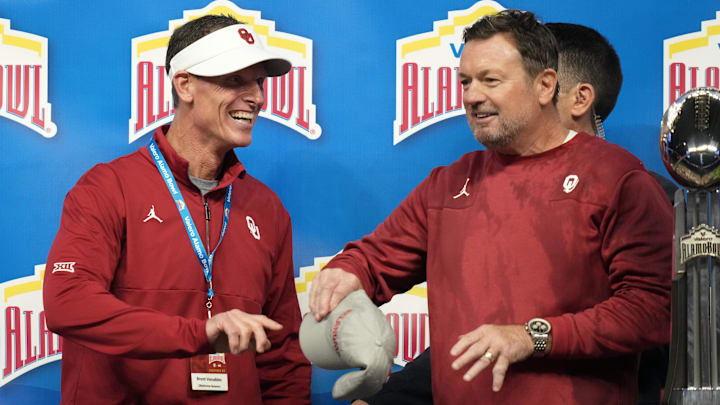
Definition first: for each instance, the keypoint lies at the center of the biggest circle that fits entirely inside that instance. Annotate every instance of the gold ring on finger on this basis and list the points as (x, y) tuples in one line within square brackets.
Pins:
[(489, 356)]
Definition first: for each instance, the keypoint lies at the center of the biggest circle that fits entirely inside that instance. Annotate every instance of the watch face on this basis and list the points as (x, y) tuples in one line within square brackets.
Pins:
[(538, 325)]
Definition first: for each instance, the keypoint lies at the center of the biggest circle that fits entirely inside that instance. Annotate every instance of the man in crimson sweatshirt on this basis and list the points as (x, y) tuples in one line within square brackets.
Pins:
[(171, 277), (547, 255)]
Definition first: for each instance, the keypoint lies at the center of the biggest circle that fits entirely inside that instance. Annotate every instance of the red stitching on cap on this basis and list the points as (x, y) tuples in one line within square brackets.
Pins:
[(335, 330)]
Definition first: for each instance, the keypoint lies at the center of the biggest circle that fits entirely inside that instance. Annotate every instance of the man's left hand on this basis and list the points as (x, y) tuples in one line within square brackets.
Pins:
[(502, 344)]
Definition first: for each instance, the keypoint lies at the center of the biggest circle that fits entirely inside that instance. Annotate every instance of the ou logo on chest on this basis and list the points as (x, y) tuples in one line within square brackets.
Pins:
[(570, 183), (254, 229)]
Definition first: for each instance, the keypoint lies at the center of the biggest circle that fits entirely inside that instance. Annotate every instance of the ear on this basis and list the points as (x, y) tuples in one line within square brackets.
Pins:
[(183, 86), (583, 100), (545, 84)]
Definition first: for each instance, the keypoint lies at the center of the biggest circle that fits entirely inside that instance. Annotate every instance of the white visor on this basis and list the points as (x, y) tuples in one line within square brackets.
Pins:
[(225, 51)]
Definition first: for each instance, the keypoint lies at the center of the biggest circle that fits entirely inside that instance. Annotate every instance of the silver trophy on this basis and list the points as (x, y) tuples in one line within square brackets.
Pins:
[(690, 148)]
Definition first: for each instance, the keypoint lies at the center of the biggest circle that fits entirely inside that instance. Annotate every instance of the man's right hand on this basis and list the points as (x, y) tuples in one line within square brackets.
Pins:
[(329, 287), (235, 331)]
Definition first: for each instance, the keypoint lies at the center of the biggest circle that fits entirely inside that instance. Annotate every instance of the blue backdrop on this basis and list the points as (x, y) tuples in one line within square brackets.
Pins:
[(337, 187)]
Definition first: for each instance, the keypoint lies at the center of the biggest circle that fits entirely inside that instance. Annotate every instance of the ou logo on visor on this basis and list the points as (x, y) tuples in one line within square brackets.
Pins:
[(244, 34), (254, 229)]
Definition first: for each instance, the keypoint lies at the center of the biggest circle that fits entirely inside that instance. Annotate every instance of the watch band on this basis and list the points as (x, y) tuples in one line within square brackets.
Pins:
[(540, 331)]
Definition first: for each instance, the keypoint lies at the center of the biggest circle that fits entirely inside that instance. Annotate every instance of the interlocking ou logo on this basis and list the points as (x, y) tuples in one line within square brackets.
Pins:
[(254, 229), (64, 266), (244, 34), (570, 183)]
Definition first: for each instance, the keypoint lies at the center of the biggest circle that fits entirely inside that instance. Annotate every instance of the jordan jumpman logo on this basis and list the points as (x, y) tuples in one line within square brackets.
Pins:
[(463, 192), (151, 215)]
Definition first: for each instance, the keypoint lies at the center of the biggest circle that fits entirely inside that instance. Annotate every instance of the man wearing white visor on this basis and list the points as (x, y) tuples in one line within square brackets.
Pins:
[(171, 276)]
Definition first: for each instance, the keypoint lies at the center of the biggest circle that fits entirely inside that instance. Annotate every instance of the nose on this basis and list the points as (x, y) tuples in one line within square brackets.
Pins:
[(255, 94), (473, 94)]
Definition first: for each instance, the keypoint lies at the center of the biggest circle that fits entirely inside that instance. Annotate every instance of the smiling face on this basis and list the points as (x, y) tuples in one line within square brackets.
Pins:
[(497, 92), (224, 108)]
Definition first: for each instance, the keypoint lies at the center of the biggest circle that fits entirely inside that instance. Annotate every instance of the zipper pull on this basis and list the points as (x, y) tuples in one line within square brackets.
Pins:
[(207, 211)]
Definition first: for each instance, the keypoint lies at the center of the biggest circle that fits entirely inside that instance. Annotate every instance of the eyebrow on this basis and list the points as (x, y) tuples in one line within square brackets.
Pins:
[(483, 72)]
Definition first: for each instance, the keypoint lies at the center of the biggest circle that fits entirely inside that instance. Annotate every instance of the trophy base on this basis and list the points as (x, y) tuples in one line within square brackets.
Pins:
[(692, 396)]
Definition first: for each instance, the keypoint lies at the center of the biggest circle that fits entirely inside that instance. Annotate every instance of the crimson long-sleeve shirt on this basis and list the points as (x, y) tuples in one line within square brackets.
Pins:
[(580, 235), (132, 310)]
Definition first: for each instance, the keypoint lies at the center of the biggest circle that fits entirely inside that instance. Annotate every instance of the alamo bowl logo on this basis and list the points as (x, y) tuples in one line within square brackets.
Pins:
[(288, 98), (407, 313), (24, 80), (427, 87), (25, 342), (691, 61), (702, 241)]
